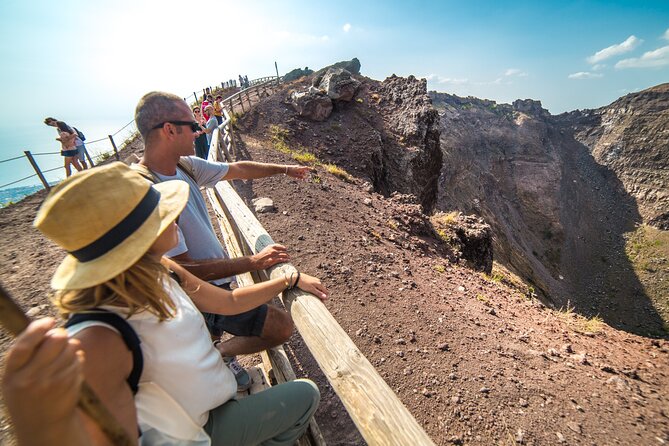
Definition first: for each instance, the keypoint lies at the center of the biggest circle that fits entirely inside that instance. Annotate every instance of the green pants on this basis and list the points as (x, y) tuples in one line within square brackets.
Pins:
[(274, 417)]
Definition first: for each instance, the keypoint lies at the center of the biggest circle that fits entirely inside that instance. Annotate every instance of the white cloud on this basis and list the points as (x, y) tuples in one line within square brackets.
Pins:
[(446, 80), (615, 50), (346, 27), (515, 72), (655, 58), (665, 36), (599, 66), (585, 75), (453, 81)]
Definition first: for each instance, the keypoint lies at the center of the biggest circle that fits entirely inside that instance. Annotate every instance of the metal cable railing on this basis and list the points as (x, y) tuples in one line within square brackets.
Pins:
[(18, 181)]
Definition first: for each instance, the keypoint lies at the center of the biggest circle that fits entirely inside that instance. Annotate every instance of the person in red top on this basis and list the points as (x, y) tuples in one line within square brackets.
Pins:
[(208, 100)]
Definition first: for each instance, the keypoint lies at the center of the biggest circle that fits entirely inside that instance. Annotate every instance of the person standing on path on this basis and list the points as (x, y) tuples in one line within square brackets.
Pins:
[(68, 150), (201, 146), (78, 142), (218, 109)]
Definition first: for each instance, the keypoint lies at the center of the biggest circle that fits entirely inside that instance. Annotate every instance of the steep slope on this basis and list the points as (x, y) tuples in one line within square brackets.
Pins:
[(559, 218), (474, 359), (631, 137)]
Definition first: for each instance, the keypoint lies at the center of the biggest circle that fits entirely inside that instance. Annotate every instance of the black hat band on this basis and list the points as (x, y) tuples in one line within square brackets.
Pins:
[(126, 227)]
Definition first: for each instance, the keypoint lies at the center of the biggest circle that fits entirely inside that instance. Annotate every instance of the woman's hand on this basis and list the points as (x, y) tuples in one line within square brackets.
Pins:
[(312, 285), (42, 380)]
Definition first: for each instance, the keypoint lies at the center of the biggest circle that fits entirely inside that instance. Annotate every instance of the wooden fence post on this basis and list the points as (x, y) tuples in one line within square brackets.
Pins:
[(118, 158), (37, 169), (277, 73), (90, 160)]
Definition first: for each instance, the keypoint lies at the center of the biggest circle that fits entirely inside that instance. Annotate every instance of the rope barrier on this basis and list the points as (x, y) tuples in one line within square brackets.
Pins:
[(11, 159), (45, 153), (96, 140), (17, 181), (52, 169), (119, 131)]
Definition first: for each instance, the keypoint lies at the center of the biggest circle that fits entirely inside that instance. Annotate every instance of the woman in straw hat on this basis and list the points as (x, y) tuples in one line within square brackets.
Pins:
[(116, 227)]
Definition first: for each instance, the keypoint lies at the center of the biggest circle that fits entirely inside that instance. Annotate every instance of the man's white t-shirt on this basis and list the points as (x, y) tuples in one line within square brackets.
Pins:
[(195, 229)]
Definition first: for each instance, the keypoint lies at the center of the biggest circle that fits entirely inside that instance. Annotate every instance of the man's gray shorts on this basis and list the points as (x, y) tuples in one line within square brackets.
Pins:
[(249, 323)]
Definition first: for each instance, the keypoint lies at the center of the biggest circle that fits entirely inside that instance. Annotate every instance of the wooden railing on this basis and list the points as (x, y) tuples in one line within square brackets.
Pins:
[(260, 87), (379, 415)]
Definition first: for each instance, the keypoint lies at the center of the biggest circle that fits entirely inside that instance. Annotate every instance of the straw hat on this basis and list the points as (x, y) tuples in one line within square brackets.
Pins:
[(106, 218)]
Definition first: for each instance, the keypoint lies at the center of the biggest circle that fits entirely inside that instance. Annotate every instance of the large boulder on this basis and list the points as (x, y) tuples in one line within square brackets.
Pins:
[(468, 235), (297, 73), (312, 104), (352, 66), (338, 84)]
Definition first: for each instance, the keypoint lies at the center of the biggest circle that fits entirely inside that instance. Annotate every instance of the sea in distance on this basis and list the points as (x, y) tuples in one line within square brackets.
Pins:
[(14, 194)]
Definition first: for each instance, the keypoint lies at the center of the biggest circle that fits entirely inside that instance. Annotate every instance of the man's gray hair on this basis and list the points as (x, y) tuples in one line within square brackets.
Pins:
[(154, 108)]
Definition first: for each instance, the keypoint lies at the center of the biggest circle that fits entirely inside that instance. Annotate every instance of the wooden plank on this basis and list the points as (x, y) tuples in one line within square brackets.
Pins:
[(375, 409), (281, 367)]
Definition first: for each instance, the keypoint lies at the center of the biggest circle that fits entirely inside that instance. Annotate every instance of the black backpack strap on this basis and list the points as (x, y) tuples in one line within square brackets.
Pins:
[(127, 333)]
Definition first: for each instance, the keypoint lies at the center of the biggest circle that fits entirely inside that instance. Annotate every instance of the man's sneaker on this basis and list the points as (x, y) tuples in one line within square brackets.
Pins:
[(242, 376)]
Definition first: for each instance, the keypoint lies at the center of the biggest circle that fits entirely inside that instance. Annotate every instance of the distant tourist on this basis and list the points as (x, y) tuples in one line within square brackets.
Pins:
[(208, 100), (68, 148), (78, 142), (201, 146), (241, 82), (218, 109), (246, 82)]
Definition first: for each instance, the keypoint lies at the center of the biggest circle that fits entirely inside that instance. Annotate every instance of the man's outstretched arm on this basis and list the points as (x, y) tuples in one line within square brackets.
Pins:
[(212, 269), (249, 170)]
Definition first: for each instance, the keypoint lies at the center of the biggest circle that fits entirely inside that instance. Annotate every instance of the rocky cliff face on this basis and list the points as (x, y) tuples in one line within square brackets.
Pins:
[(558, 216), (631, 137), (411, 159), (387, 134)]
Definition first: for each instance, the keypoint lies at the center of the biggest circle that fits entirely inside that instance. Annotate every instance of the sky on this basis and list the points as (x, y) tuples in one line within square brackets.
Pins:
[(88, 63)]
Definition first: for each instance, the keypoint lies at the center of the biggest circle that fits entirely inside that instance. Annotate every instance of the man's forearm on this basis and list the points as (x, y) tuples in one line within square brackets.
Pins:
[(249, 170), (217, 268)]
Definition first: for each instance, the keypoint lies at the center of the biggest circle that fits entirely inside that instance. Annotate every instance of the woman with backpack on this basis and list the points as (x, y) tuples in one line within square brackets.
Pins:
[(69, 150), (118, 228)]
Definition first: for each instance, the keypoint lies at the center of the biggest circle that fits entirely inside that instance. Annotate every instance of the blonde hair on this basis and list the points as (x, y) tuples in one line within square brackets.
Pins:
[(139, 288)]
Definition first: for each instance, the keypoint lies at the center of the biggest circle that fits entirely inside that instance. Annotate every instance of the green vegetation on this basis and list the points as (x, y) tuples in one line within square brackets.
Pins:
[(439, 268), (338, 172), (279, 137), (104, 156), (483, 299), (578, 323), (647, 250), (441, 223), (305, 157)]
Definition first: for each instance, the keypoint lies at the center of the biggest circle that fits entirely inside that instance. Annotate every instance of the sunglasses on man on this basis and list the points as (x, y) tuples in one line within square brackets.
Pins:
[(194, 126)]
